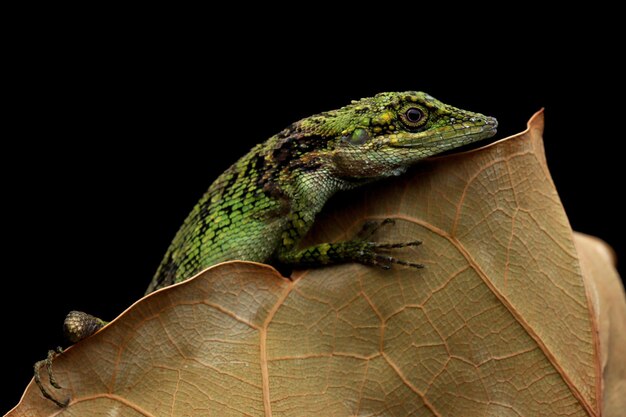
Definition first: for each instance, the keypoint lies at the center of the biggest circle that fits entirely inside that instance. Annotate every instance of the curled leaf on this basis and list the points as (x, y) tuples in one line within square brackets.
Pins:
[(606, 293), (501, 322)]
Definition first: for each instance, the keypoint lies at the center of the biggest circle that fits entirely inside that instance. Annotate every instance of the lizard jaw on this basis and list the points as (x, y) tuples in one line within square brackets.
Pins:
[(448, 136)]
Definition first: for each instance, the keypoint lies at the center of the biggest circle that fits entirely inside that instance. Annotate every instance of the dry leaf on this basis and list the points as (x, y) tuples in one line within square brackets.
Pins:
[(499, 323), (606, 293)]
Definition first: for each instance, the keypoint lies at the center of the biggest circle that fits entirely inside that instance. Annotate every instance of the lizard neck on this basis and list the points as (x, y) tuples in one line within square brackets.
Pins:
[(310, 190)]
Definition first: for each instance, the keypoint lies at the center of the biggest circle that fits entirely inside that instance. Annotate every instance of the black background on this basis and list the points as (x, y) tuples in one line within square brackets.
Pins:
[(117, 137)]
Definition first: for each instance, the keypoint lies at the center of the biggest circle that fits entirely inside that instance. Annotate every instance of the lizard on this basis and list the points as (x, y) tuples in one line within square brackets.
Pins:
[(264, 204)]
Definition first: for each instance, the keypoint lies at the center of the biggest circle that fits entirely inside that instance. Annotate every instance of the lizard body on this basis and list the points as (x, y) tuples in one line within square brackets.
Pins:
[(261, 207)]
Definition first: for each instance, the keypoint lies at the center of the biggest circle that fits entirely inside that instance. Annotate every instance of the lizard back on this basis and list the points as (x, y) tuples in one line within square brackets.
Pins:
[(237, 218)]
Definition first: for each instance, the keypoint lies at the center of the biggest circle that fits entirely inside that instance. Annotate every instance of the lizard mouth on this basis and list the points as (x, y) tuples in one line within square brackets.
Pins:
[(451, 136)]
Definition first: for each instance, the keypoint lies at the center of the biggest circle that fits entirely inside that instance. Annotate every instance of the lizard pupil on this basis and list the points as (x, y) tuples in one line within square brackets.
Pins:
[(414, 115)]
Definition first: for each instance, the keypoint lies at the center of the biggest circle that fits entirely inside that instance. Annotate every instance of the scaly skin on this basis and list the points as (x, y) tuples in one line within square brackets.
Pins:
[(261, 207), (264, 204)]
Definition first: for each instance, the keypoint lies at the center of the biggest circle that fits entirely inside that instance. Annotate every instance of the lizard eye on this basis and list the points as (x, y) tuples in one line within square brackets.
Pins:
[(413, 117)]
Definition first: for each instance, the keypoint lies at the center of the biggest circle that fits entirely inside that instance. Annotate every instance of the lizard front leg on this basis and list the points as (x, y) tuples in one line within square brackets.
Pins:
[(361, 249)]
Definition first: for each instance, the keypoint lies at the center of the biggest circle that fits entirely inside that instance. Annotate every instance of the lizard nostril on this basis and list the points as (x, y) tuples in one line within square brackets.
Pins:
[(491, 121)]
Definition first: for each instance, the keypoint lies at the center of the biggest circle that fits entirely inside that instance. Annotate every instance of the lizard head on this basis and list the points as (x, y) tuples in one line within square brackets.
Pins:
[(383, 135)]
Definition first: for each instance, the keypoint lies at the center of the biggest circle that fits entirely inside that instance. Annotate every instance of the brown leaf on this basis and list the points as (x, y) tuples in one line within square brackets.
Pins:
[(609, 313), (498, 323)]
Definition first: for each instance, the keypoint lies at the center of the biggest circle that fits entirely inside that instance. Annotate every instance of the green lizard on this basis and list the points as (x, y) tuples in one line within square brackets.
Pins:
[(261, 207)]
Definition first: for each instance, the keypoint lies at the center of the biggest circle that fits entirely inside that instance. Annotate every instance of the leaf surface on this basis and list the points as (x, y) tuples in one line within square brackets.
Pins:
[(499, 323), (597, 261)]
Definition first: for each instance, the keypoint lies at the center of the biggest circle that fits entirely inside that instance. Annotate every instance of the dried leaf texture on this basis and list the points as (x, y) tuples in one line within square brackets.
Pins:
[(499, 323), (609, 312)]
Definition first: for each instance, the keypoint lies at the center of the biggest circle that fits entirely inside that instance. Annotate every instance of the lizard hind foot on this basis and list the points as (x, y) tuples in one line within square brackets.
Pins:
[(47, 363), (77, 326)]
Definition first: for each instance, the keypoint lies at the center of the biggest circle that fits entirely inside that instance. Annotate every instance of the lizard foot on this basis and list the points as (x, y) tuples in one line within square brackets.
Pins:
[(77, 326), (48, 364), (361, 249), (372, 253)]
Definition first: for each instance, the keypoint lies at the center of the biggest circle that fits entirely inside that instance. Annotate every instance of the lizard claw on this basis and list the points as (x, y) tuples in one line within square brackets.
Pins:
[(385, 262), (372, 226), (396, 245)]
